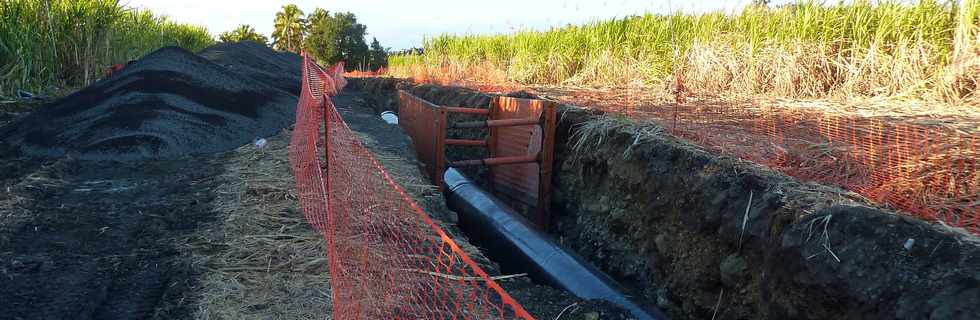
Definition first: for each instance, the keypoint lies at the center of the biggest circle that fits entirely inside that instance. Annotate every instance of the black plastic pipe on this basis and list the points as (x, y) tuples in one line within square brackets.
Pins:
[(499, 229)]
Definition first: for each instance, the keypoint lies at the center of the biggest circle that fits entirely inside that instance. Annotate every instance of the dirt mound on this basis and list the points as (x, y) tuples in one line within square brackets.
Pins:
[(254, 60), (169, 103)]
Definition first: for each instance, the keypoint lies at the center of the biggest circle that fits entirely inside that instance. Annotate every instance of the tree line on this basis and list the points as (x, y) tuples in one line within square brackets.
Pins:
[(327, 37)]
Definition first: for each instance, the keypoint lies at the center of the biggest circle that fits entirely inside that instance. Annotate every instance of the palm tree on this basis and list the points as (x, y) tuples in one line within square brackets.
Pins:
[(317, 16), (242, 33), (320, 39), (289, 29)]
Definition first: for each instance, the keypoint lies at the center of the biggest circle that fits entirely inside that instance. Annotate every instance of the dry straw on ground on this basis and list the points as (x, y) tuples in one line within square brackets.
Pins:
[(262, 260)]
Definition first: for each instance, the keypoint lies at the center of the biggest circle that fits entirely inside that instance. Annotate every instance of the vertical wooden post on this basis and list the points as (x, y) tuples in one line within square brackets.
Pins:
[(440, 146), (492, 138), (546, 163), (326, 133)]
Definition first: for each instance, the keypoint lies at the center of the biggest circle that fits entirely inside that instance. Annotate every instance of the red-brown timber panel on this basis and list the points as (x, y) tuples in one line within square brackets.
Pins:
[(528, 183), (425, 123)]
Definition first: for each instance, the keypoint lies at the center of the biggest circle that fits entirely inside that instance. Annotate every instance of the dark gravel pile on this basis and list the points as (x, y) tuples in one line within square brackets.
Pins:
[(254, 60), (170, 103)]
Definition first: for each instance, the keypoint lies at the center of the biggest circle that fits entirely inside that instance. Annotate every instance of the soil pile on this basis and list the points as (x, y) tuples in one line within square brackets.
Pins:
[(256, 61), (170, 103)]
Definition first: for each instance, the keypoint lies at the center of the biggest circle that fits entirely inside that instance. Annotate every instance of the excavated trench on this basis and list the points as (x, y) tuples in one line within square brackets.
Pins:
[(701, 236)]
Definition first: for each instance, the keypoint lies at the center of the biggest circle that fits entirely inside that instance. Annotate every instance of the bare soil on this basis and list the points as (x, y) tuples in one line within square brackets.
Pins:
[(85, 239), (687, 229)]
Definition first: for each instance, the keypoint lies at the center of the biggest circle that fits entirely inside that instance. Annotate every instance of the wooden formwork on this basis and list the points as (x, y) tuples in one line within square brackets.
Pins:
[(520, 144)]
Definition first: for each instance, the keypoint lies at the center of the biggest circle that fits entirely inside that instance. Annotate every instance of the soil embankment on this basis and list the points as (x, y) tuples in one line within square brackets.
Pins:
[(168, 104), (707, 236)]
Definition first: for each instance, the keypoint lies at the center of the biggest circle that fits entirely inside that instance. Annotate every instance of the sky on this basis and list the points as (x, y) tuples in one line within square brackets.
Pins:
[(404, 24)]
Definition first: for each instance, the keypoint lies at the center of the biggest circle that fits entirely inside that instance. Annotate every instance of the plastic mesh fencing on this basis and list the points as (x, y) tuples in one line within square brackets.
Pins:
[(928, 171), (921, 165), (388, 259), (363, 74)]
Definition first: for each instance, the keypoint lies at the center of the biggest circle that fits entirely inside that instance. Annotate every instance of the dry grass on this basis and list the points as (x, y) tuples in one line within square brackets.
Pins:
[(417, 185), (408, 176), (262, 260), (596, 132), (908, 73)]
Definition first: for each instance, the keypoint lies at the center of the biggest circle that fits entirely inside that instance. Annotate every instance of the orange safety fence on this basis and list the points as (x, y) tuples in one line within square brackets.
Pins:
[(388, 259), (915, 164), (361, 74), (929, 169)]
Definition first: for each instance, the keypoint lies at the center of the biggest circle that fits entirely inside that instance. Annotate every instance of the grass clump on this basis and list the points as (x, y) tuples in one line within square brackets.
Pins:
[(69, 43), (928, 49)]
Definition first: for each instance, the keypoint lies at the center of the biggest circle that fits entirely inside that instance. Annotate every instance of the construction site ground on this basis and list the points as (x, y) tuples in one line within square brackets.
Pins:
[(213, 235)]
